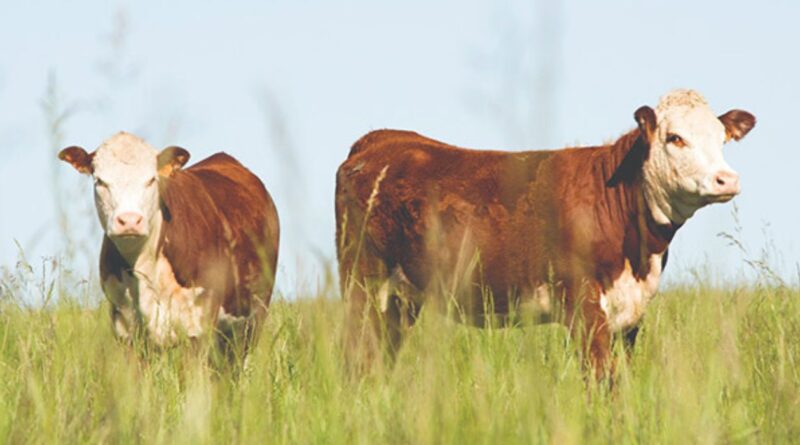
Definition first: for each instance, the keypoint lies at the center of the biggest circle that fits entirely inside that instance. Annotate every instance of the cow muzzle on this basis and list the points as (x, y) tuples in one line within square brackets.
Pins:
[(128, 224), (724, 186)]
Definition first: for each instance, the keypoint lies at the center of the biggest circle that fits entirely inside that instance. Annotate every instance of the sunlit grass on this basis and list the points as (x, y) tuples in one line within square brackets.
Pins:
[(710, 366)]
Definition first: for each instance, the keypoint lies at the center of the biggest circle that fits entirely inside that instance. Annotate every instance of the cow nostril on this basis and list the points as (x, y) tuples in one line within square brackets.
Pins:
[(720, 180), (129, 220)]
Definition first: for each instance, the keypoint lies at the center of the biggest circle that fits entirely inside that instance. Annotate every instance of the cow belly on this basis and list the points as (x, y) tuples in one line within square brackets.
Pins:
[(163, 307), (625, 300)]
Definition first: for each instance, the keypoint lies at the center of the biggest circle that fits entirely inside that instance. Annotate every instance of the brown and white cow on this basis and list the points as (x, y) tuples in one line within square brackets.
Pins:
[(185, 252), (582, 231)]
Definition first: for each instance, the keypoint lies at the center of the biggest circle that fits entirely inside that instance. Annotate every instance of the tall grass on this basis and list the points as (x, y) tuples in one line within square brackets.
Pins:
[(710, 366)]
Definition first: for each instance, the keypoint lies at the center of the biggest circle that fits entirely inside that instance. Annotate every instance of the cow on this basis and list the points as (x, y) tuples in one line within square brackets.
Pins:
[(578, 232), (186, 253)]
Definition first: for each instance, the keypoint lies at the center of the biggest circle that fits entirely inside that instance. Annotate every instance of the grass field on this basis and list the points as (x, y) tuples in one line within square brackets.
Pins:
[(711, 366)]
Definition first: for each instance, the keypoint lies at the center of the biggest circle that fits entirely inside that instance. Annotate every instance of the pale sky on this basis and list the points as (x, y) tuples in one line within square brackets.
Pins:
[(208, 77)]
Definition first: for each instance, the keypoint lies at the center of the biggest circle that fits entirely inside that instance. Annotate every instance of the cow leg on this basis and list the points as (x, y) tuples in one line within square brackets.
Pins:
[(587, 322), (629, 337), (380, 310), (398, 309), (629, 341), (363, 321), (360, 344), (599, 347), (596, 347), (234, 336)]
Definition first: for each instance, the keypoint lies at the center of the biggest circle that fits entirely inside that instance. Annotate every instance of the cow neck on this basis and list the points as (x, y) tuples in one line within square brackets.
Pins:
[(644, 237), (142, 259)]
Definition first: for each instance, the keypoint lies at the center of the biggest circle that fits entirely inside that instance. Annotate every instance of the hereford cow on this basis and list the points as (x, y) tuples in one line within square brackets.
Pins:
[(582, 232), (185, 252)]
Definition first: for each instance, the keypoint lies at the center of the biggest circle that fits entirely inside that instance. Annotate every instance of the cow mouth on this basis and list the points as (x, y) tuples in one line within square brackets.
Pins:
[(724, 197), (128, 236)]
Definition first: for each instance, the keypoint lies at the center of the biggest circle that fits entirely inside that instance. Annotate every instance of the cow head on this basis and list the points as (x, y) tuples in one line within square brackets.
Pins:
[(126, 172), (684, 169)]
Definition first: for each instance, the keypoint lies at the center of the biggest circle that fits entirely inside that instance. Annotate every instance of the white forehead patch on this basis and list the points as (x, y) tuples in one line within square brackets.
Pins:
[(676, 177), (680, 98), (126, 149), (689, 112)]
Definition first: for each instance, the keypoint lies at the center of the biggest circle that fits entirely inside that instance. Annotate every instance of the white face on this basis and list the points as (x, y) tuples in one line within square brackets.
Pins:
[(685, 169), (126, 187)]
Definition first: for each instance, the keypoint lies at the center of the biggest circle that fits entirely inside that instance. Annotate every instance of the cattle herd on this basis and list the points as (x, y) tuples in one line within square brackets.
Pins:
[(578, 235)]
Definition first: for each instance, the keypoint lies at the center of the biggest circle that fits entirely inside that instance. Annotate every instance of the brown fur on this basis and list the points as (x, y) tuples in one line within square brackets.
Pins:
[(569, 217)]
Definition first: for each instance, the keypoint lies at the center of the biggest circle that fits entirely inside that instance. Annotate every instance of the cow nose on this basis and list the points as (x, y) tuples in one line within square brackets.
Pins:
[(726, 183), (129, 223)]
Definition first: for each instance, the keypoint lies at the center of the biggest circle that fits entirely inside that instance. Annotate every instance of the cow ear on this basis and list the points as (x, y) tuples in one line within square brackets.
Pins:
[(646, 119), (78, 158), (737, 124), (171, 159)]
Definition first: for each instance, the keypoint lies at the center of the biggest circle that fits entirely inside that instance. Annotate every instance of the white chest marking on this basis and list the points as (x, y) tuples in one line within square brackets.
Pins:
[(167, 310), (625, 300)]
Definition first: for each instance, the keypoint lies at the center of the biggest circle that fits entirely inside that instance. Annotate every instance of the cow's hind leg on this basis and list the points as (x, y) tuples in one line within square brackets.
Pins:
[(379, 312), (399, 309), (362, 276), (234, 336)]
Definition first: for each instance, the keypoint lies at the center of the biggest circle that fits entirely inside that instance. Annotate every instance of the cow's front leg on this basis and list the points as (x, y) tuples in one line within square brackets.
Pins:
[(629, 338), (598, 343), (587, 323), (123, 323)]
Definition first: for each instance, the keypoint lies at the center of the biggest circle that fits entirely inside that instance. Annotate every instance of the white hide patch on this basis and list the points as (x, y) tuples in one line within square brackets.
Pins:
[(124, 168), (167, 310), (397, 284), (539, 302), (625, 300), (124, 148), (170, 310), (228, 319), (679, 179), (680, 98)]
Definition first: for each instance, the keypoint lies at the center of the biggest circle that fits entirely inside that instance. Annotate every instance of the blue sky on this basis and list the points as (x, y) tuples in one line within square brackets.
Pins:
[(286, 87)]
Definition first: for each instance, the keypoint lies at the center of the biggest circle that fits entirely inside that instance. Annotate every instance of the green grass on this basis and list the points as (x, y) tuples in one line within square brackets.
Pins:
[(710, 366)]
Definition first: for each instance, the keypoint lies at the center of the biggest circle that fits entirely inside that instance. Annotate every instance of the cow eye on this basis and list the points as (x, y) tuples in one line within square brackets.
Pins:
[(675, 140), (151, 181)]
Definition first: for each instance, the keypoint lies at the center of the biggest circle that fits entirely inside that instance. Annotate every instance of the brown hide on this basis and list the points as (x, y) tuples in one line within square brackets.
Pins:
[(571, 217)]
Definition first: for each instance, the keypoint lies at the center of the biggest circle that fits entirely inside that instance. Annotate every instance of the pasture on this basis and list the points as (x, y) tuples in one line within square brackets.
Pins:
[(710, 366)]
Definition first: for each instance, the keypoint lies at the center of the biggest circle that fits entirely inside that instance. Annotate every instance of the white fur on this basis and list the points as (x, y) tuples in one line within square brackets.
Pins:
[(625, 300), (680, 180), (124, 169), (152, 297)]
